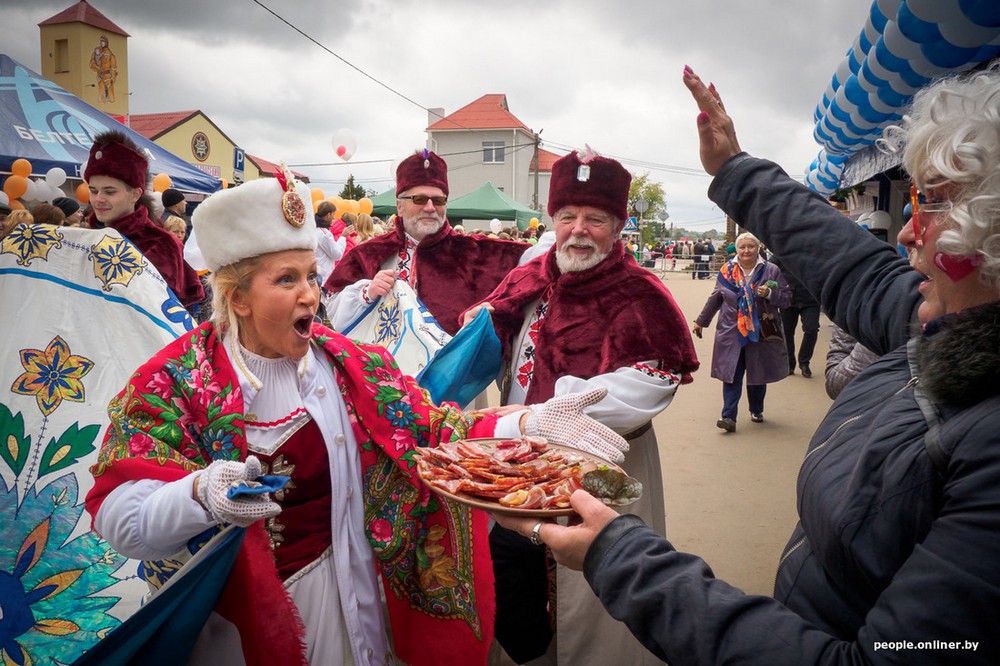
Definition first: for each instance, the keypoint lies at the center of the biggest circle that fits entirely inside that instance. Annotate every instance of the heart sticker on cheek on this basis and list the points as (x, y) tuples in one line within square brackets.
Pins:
[(956, 268)]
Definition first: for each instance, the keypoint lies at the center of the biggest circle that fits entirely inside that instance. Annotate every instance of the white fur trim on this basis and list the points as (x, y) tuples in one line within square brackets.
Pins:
[(246, 221)]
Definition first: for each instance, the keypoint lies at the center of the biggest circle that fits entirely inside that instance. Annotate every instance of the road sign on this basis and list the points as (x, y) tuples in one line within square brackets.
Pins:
[(631, 224), (239, 160)]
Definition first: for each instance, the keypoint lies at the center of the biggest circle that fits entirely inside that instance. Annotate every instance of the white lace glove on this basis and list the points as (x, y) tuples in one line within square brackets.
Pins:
[(562, 421), (219, 477)]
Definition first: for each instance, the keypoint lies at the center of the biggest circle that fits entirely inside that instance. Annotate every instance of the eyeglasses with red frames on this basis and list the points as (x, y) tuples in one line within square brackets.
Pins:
[(920, 205), (422, 199)]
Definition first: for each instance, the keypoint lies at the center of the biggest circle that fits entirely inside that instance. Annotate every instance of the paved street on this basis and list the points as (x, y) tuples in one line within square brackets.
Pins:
[(731, 497)]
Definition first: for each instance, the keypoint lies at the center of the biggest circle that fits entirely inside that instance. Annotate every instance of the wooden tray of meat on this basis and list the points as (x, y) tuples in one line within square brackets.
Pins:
[(521, 477)]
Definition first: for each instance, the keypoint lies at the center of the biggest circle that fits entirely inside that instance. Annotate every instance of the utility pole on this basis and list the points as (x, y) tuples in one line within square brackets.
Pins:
[(535, 203)]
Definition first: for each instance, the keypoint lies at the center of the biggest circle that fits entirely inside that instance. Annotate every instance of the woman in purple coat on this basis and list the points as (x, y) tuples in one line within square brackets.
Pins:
[(748, 339)]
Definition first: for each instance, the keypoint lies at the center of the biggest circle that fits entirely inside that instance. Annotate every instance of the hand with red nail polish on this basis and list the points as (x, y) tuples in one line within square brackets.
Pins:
[(715, 128)]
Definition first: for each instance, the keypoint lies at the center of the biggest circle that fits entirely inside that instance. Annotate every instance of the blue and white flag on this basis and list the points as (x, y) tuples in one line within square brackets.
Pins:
[(81, 310)]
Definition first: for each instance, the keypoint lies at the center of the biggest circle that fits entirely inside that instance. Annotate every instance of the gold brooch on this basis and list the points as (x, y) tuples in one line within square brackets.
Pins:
[(292, 206)]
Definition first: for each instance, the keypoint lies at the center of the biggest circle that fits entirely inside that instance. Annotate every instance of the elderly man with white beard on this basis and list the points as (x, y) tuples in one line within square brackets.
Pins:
[(584, 316), (448, 271)]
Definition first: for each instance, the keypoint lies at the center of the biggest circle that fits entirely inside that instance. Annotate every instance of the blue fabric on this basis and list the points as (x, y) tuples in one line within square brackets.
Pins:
[(466, 365), (266, 484), (163, 632)]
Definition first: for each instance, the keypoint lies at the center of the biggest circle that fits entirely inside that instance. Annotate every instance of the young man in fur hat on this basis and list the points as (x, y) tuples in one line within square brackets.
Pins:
[(449, 271), (116, 174), (585, 316)]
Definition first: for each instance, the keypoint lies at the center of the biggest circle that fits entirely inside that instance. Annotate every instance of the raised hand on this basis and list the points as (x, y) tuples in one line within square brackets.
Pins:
[(715, 127)]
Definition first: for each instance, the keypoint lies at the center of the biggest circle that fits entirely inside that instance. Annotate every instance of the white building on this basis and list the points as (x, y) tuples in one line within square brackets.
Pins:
[(483, 141)]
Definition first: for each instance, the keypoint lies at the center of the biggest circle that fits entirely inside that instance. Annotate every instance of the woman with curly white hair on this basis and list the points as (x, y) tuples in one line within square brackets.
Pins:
[(896, 557)]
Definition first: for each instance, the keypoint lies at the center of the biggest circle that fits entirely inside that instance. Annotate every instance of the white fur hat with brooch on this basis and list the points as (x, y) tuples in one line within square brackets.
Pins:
[(255, 218)]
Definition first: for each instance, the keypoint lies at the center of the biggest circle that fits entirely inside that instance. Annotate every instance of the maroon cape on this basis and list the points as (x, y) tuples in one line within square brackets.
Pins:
[(453, 271), (162, 249), (608, 317)]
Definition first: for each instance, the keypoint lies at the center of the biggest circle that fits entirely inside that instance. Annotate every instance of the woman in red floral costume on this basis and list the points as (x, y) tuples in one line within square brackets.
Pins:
[(262, 389)]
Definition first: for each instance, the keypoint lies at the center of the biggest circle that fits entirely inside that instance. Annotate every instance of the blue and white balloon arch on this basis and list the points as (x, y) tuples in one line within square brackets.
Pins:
[(903, 46)]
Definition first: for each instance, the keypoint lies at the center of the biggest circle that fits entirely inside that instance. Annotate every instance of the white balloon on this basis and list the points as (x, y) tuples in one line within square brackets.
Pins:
[(899, 44), (55, 177), (4, 199), (56, 192), (31, 194), (963, 33), (495, 225), (843, 72), (345, 143), (935, 11), (888, 8)]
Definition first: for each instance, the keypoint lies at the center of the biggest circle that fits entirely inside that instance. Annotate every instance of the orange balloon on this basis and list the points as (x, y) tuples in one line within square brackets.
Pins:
[(21, 167), (161, 182), (83, 193), (15, 186), (352, 206), (16, 205), (225, 184), (365, 206), (317, 194)]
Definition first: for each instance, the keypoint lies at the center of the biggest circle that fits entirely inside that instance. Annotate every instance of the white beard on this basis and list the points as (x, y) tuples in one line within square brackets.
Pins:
[(421, 228), (570, 263)]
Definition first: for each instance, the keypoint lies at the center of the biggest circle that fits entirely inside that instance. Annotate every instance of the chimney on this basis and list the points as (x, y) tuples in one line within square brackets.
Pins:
[(434, 114)]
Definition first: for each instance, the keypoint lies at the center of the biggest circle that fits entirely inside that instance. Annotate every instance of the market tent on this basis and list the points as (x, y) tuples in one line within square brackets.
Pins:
[(50, 127), (384, 205), (487, 203)]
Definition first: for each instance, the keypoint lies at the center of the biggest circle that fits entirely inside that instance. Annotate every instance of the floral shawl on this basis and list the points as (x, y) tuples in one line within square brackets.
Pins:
[(732, 277), (184, 408)]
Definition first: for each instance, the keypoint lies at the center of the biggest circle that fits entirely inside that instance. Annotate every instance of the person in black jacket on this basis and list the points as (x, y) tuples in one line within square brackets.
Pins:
[(896, 557), (804, 306)]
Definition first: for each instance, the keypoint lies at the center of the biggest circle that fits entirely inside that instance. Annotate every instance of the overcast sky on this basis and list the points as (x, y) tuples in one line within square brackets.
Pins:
[(584, 71)]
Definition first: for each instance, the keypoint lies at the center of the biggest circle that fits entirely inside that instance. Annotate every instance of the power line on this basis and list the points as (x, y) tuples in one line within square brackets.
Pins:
[(514, 146), (686, 171)]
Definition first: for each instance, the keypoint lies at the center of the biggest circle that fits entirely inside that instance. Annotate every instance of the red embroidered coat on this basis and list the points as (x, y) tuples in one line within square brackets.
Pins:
[(453, 271), (183, 409), (598, 320)]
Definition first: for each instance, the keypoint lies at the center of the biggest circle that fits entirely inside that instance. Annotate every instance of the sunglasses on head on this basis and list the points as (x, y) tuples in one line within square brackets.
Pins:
[(422, 199)]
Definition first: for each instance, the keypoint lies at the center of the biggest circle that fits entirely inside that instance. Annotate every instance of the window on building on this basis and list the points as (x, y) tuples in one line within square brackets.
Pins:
[(61, 56), (492, 152)]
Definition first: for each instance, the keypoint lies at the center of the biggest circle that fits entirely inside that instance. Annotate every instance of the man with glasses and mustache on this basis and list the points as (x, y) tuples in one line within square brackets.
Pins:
[(448, 271), (584, 316)]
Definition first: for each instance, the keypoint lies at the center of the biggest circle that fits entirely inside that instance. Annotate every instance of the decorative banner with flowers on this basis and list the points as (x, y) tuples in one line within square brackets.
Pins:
[(82, 310)]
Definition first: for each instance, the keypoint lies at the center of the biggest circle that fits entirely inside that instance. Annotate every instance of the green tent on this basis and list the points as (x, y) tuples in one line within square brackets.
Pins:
[(384, 205), (487, 203)]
